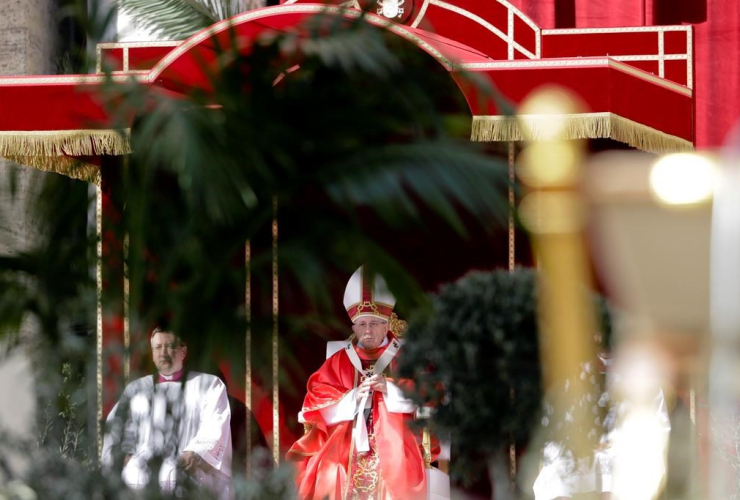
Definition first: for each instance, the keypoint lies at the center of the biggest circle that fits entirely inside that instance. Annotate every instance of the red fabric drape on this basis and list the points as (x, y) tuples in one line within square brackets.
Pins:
[(716, 43)]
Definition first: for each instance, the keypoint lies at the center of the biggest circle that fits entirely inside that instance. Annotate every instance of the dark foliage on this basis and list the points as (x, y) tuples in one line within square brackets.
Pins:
[(475, 359)]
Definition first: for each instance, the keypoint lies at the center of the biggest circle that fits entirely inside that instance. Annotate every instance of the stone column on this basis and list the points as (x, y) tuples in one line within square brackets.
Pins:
[(27, 37)]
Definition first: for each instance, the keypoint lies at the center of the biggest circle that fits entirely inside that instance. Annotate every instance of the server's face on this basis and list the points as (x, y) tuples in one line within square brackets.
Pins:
[(168, 353)]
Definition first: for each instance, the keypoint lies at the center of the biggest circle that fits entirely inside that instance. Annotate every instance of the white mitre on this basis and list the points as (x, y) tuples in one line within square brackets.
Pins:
[(368, 296)]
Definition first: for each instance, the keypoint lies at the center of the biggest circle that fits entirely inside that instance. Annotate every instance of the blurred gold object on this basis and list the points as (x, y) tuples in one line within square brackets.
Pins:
[(552, 104), (426, 442), (549, 164), (552, 213), (396, 325), (650, 222)]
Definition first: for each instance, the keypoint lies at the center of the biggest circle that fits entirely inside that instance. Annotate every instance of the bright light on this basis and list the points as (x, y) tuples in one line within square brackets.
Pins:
[(640, 446), (552, 212), (683, 179), (549, 164), (544, 113)]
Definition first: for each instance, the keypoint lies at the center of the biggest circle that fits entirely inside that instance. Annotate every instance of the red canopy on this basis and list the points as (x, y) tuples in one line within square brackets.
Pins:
[(45, 121)]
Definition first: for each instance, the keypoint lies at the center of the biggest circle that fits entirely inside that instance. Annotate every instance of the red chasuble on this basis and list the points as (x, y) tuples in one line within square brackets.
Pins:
[(329, 466)]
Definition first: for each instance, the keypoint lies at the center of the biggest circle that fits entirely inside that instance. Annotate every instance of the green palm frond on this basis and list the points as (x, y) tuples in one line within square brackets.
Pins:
[(178, 19), (441, 174), (358, 46)]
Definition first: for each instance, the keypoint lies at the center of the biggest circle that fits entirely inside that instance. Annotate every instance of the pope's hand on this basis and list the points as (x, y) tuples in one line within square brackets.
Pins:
[(363, 390), (372, 383), (378, 383), (189, 461)]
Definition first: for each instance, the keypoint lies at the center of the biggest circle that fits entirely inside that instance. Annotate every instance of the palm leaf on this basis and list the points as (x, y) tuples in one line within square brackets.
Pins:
[(177, 19), (357, 47), (441, 174)]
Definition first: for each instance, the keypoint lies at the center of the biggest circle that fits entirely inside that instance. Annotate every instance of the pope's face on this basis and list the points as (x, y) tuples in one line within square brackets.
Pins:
[(168, 353), (370, 331)]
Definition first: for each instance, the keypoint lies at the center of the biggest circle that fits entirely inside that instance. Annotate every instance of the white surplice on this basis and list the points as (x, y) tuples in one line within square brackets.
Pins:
[(167, 419), (562, 475)]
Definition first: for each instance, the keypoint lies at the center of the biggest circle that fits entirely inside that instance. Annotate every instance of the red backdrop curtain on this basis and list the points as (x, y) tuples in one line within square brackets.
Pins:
[(717, 45)]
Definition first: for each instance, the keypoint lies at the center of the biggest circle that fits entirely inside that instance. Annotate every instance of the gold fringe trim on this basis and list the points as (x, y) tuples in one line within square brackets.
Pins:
[(53, 151), (65, 142), (579, 126), (64, 165)]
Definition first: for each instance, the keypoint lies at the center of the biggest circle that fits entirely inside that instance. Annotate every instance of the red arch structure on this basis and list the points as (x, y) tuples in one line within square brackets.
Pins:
[(636, 82)]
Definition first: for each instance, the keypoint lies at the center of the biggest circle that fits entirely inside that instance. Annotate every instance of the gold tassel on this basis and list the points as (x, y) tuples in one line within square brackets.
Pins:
[(579, 126), (65, 142), (53, 151), (65, 165)]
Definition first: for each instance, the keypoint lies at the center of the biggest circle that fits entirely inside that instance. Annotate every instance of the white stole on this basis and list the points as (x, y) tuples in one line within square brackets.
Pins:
[(359, 432)]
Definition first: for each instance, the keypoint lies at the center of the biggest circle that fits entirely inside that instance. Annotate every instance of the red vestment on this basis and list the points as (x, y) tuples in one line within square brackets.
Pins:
[(328, 465)]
